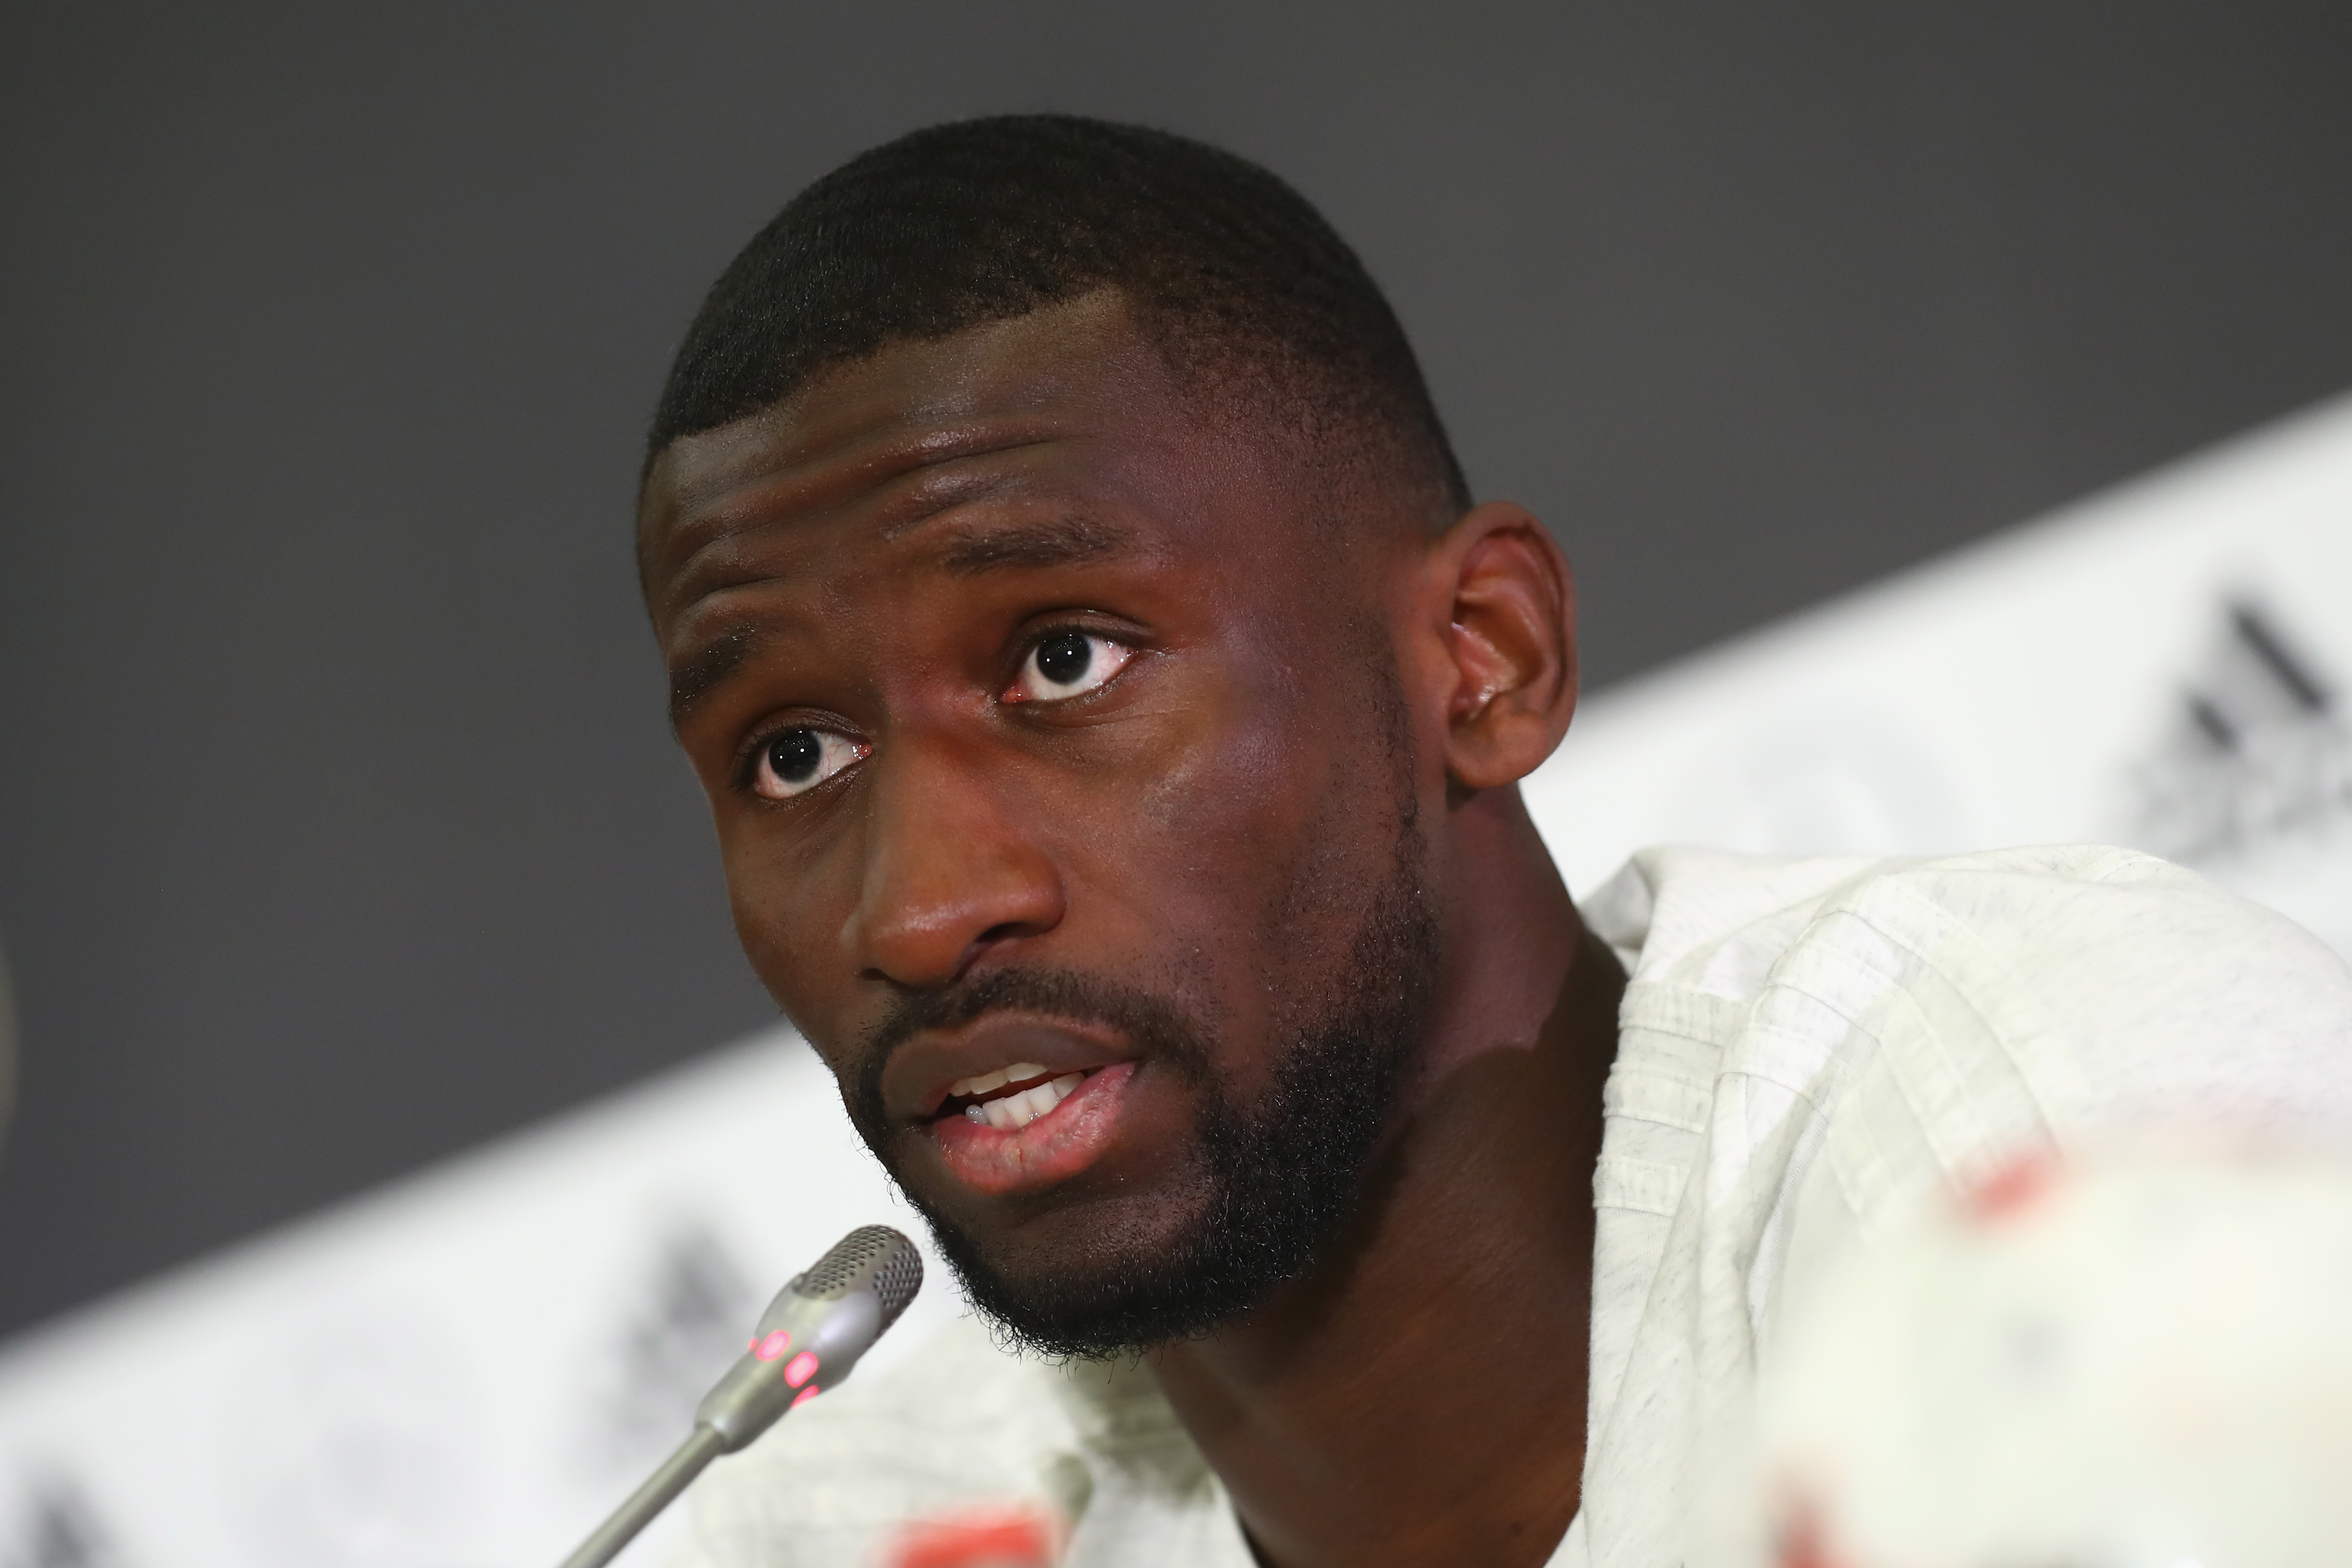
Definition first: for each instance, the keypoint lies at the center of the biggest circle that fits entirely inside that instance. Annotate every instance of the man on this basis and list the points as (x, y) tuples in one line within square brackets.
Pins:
[(1112, 703)]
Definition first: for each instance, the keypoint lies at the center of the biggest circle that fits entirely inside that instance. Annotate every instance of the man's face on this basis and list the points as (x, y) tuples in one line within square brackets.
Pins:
[(1046, 730)]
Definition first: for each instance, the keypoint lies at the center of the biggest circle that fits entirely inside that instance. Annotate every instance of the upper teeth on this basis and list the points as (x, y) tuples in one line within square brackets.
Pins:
[(1015, 1110), (1002, 1075)]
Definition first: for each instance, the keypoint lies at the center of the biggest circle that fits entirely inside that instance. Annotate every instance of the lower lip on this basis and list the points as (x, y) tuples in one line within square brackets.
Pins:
[(1054, 1148)]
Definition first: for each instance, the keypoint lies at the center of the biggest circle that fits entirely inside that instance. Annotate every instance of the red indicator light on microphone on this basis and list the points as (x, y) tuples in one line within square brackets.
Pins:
[(799, 1370), (801, 1398), (771, 1347)]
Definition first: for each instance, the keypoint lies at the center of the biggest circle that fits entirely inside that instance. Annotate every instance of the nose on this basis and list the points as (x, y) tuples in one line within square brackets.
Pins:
[(951, 869)]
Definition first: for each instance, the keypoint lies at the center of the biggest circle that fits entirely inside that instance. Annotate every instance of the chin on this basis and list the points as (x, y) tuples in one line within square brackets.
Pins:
[(1081, 1244), (1093, 1279)]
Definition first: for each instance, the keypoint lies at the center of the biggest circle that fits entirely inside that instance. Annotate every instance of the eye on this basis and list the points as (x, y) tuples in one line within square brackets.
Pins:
[(1068, 664), (802, 758)]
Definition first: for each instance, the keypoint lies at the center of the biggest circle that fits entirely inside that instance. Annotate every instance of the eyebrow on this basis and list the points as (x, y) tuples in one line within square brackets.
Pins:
[(695, 679), (1028, 546), (1033, 546)]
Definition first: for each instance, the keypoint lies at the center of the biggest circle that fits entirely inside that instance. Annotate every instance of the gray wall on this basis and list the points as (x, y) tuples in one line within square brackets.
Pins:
[(337, 827)]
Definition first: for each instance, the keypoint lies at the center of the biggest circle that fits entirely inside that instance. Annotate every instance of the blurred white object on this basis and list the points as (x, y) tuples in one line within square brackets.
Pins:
[(2142, 1363)]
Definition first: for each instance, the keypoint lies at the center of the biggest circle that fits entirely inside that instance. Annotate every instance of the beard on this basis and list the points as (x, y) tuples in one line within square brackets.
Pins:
[(1275, 1179)]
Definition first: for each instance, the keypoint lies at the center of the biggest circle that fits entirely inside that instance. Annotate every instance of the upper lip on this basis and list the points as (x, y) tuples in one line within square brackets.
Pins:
[(916, 1080)]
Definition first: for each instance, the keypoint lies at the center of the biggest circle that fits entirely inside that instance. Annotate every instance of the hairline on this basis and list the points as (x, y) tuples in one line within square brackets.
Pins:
[(1374, 439)]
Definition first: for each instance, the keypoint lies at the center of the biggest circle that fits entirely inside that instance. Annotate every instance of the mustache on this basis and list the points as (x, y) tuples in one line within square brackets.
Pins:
[(1153, 1025)]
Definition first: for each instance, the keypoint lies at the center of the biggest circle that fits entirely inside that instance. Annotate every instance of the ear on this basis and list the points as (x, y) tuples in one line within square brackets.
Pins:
[(1501, 601)]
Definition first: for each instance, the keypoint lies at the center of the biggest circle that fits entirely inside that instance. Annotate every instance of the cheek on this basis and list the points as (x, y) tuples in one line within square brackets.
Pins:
[(1200, 854), (1293, 829), (787, 908), (763, 942), (1198, 815)]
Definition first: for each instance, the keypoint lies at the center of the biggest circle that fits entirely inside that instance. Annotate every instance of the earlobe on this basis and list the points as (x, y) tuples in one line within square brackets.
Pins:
[(1510, 637)]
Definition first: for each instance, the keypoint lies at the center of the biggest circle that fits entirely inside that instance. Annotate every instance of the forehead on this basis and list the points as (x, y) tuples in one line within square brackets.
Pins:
[(1069, 414)]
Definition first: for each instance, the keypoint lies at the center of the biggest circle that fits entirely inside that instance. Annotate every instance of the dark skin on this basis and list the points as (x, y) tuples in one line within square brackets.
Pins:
[(876, 563)]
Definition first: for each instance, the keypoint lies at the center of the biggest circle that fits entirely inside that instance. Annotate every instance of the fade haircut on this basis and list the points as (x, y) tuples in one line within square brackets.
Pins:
[(1248, 293)]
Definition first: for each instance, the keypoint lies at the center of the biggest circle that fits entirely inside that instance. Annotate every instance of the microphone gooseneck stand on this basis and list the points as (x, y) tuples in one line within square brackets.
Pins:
[(661, 1489), (808, 1340)]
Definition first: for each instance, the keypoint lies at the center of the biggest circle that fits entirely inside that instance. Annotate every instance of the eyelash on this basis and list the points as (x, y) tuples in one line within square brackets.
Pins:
[(1034, 648), (747, 761)]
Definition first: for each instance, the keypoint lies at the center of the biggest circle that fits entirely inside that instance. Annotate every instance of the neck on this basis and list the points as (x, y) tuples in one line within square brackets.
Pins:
[(1418, 1398)]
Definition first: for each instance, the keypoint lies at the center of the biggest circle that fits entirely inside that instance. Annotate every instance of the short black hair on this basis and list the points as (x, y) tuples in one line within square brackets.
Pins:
[(1232, 272)]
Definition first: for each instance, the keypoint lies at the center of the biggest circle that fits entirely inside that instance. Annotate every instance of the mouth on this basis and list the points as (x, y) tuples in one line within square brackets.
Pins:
[(1012, 1097), (1024, 1127)]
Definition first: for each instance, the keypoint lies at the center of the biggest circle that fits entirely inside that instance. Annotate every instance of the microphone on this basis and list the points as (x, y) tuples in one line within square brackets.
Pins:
[(807, 1341)]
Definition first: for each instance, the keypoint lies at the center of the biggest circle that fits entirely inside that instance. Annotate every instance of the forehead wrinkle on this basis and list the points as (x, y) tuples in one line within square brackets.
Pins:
[(762, 486), (911, 499), (924, 494), (913, 478)]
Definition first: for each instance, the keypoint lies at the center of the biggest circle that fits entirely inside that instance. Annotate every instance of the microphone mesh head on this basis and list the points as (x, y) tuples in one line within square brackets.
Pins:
[(872, 1258)]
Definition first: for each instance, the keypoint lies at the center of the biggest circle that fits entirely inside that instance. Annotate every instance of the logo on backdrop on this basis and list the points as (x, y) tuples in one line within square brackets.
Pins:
[(2258, 750), (58, 1527), (351, 1429), (683, 1328)]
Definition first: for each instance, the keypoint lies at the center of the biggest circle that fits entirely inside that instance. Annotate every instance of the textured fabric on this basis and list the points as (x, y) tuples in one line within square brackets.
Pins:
[(1808, 1049)]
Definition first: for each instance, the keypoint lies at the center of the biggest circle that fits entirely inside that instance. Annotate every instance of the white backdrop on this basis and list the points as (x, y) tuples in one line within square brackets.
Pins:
[(464, 1370)]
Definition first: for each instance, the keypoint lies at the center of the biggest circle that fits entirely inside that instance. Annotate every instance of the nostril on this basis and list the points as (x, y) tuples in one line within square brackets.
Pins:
[(935, 902), (988, 941)]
